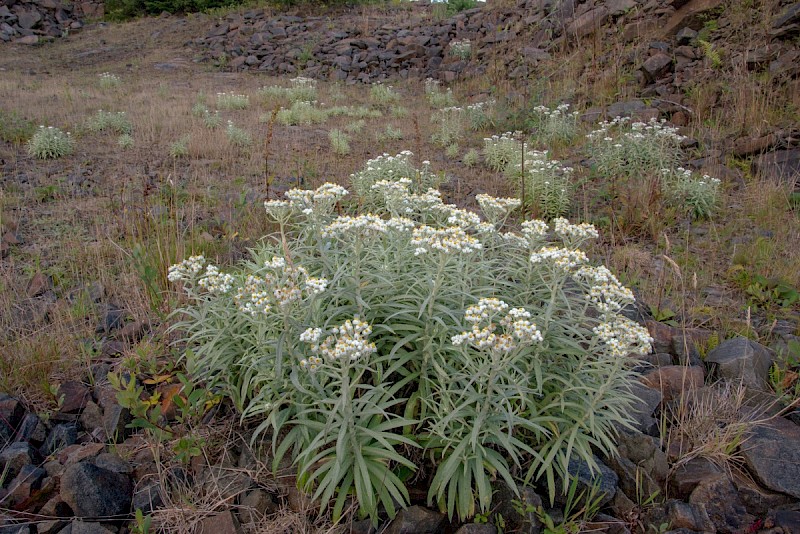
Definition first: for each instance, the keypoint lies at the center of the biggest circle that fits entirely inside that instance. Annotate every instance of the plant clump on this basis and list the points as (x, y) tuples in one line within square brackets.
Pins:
[(107, 80), (460, 48), (436, 97), (622, 148), (50, 143), (557, 125), (383, 95), (499, 151), (302, 112), (481, 114), (450, 124), (125, 141), (116, 122), (232, 101), (360, 338), (301, 89), (340, 143), (546, 184), (699, 195), (238, 137)]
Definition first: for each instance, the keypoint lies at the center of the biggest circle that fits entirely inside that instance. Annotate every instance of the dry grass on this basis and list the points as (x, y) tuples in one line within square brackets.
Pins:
[(713, 423)]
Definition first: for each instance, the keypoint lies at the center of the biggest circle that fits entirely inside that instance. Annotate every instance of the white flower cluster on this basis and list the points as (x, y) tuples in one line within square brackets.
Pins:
[(215, 282), (348, 342), (398, 168), (365, 225), (623, 336), (496, 209), (281, 287), (563, 259), (460, 217), (518, 329), (605, 291), (574, 232), (445, 240), (562, 110), (321, 200), (535, 230), (302, 81), (187, 269)]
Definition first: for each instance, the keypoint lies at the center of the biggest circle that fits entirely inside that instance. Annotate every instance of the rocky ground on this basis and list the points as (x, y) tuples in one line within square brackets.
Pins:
[(86, 241)]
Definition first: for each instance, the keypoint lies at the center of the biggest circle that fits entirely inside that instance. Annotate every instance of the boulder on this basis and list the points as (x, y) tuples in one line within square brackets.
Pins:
[(516, 518), (60, 436), (16, 456), (673, 380), (721, 501), (92, 491), (477, 529), (782, 166), (588, 23), (687, 476), (602, 477), (656, 66), (689, 516), (645, 403), (24, 484), (11, 413), (221, 523), (86, 527), (415, 520), (742, 359), (772, 454), (73, 396)]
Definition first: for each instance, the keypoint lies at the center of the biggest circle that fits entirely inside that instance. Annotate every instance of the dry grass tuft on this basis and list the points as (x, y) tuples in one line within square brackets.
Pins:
[(713, 422)]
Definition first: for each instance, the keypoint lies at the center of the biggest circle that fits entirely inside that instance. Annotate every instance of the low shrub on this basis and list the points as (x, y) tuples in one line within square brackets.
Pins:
[(450, 123), (547, 185), (461, 48), (301, 89), (436, 97), (232, 101), (238, 137), (116, 122), (415, 337), (50, 143), (698, 196), (340, 143), (125, 141), (552, 126), (499, 151), (302, 112), (107, 80), (623, 149), (383, 95)]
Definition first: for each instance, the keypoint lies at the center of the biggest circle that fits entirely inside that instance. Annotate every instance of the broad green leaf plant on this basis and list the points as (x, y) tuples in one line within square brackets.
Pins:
[(390, 333)]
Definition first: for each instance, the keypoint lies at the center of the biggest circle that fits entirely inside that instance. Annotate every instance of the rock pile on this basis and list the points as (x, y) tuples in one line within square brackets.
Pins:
[(29, 21)]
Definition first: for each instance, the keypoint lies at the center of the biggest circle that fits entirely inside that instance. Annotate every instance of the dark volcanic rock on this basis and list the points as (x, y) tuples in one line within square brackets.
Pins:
[(92, 491), (416, 520), (772, 454), (742, 359)]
